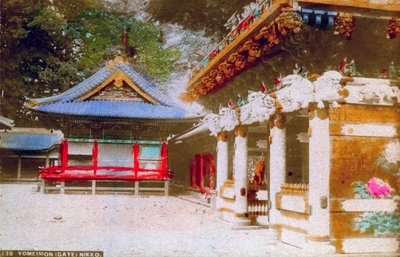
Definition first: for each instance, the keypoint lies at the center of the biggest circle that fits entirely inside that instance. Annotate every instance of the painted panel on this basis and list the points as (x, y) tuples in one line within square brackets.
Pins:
[(149, 152), (364, 114), (355, 159), (343, 225)]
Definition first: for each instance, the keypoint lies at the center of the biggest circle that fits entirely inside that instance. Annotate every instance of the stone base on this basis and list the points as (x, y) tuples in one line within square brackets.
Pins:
[(274, 235), (319, 247), (241, 221), (262, 220), (227, 216)]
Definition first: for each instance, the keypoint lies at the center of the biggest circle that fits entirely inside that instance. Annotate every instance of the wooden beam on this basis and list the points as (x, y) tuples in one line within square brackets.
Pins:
[(19, 167)]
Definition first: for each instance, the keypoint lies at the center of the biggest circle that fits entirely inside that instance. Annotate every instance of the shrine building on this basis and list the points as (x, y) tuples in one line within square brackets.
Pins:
[(115, 126)]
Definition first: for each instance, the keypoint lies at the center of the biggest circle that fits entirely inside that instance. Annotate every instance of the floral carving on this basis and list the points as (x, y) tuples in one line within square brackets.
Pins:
[(375, 188), (389, 161), (250, 51)]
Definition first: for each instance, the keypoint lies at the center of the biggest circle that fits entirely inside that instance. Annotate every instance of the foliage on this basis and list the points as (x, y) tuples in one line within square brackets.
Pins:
[(378, 223), (361, 190), (49, 46), (99, 36)]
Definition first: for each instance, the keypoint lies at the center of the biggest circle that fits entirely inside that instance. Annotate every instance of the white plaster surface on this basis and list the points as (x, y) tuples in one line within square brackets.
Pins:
[(262, 220), (370, 245), (301, 223), (369, 130), (222, 168), (293, 203), (277, 169), (366, 205), (228, 192), (262, 195), (240, 167), (293, 238), (319, 165)]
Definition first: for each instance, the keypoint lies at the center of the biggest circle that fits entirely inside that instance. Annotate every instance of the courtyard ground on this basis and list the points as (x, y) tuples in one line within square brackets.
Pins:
[(123, 225)]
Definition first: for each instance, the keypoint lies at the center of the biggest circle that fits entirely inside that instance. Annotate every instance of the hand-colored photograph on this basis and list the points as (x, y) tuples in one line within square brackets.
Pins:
[(204, 128)]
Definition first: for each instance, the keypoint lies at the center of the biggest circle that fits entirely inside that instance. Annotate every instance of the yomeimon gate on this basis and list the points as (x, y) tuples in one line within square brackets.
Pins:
[(115, 124), (313, 153)]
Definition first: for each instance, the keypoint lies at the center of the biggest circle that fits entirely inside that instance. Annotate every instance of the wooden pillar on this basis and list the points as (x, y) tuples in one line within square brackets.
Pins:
[(136, 187), (19, 167), (166, 188), (222, 166), (47, 162), (241, 179), (318, 195), (42, 186), (62, 188), (277, 163), (93, 187)]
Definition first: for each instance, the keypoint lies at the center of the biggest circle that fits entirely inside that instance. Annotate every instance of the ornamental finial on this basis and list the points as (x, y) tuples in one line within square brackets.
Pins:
[(117, 59)]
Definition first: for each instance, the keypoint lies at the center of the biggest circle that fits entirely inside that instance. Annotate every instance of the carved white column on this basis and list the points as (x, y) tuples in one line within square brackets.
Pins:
[(318, 196), (277, 168), (240, 168), (222, 165)]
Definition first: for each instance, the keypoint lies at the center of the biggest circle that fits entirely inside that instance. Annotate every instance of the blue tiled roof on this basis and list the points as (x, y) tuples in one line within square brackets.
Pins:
[(24, 141), (95, 80), (68, 103), (113, 108)]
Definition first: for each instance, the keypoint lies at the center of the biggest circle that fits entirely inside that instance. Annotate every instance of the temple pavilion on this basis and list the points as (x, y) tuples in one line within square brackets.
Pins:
[(115, 123), (304, 129)]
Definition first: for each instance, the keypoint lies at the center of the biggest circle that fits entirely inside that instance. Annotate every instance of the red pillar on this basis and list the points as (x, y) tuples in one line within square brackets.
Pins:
[(201, 179), (164, 157), (64, 155), (136, 159), (95, 156)]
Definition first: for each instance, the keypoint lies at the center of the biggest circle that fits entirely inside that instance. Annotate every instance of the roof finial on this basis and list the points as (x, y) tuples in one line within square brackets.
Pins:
[(117, 59)]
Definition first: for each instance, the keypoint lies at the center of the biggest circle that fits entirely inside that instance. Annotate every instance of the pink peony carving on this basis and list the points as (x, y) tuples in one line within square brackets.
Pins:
[(376, 187)]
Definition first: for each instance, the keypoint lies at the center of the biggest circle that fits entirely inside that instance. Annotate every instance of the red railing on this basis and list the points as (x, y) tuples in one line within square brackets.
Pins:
[(64, 172), (87, 173)]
